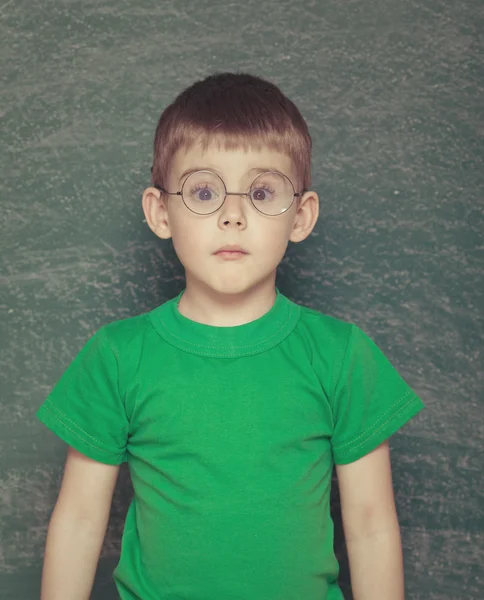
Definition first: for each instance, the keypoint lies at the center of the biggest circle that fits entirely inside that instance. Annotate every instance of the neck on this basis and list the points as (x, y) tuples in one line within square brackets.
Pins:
[(226, 309)]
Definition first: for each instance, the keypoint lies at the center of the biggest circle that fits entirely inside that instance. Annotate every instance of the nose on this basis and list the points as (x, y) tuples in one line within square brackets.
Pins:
[(234, 207)]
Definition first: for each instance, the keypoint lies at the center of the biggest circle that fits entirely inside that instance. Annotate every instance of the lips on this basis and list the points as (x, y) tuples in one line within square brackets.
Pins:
[(232, 248)]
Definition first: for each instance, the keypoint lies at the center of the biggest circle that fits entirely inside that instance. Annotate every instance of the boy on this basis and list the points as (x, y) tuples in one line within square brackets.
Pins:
[(230, 403)]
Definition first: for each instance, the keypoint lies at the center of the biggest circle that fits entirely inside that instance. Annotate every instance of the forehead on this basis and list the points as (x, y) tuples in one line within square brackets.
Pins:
[(232, 164)]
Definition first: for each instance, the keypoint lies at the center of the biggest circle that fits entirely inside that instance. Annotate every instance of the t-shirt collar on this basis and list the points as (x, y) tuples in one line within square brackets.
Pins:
[(256, 336)]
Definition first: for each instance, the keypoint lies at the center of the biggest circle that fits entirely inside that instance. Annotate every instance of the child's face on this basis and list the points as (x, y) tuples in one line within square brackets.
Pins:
[(197, 238)]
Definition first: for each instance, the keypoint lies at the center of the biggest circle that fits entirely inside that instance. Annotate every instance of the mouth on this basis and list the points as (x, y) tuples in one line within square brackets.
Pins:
[(231, 248), (231, 252)]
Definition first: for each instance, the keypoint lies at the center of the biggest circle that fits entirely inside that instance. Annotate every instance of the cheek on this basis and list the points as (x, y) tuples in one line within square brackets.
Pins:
[(275, 238), (271, 247), (187, 240)]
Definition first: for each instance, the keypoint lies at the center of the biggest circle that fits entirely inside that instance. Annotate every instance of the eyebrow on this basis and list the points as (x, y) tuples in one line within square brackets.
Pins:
[(255, 171)]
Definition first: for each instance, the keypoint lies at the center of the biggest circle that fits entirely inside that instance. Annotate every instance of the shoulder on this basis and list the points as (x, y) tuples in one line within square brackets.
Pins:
[(339, 341), (129, 348), (128, 338), (325, 330), (123, 331)]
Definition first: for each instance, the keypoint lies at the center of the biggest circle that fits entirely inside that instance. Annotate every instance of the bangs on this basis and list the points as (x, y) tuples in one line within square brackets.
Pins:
[(230, 112)]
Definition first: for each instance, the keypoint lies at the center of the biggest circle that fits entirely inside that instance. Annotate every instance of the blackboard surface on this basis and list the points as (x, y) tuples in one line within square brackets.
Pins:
[(393, 93)]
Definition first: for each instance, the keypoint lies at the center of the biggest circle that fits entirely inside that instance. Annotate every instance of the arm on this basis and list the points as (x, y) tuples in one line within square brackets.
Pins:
[(77, 528), (371, 527)]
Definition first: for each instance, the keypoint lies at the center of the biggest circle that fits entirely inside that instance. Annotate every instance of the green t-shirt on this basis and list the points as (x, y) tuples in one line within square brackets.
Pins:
[(231, 434)]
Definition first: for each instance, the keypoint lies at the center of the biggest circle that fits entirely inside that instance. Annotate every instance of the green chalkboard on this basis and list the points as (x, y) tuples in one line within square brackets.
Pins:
[(393, 94)]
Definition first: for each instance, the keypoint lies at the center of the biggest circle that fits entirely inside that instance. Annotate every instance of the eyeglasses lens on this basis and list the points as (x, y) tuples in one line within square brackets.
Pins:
[(203, 192), (272, 193)]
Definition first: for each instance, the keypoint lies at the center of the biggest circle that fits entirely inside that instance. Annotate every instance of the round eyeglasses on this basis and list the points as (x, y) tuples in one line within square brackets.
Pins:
[(204, 192)]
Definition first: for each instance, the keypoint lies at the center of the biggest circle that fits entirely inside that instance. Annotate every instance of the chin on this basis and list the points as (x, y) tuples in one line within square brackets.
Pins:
[(231, 283)]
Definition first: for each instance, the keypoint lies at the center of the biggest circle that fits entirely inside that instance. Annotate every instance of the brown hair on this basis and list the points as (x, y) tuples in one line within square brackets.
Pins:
[(234, 110)]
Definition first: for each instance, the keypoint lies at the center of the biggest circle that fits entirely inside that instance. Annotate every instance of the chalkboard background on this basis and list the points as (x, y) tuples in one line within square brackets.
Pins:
[(392, 91)]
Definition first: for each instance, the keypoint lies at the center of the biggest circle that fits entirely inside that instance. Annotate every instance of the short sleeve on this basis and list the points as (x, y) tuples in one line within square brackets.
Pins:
[(85, 408), (371, 401)]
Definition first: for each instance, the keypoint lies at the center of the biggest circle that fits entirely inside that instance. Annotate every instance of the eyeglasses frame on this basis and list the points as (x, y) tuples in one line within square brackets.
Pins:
[(227, 193)]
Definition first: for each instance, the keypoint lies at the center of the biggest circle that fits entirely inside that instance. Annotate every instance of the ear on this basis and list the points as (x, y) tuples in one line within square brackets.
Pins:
[(305, 218), (156, 213)]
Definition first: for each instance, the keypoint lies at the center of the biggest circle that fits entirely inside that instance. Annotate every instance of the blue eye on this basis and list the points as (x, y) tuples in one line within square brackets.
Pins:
[(202, 194), (262, 194)]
